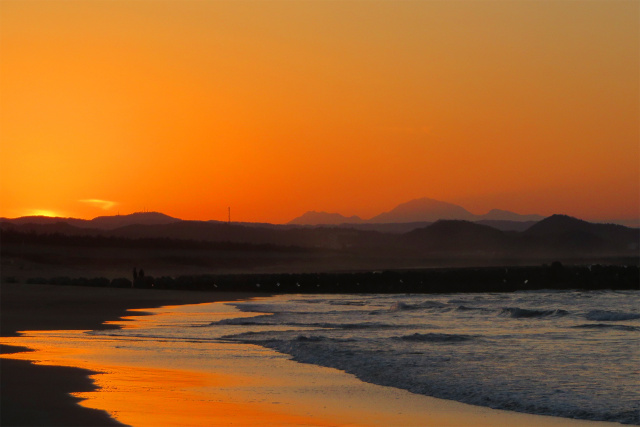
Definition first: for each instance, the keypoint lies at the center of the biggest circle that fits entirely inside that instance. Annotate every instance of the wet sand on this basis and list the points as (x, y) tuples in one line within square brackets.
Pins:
[(38, 395), (260, 388)]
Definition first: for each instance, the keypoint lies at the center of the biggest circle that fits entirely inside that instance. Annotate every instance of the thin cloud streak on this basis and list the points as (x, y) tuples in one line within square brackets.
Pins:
[(102, 204)]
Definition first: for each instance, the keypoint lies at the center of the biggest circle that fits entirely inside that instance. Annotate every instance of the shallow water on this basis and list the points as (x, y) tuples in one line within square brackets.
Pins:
[(568, 354)]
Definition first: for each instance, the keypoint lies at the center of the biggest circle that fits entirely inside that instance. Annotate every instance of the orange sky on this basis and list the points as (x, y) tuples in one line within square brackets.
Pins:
[(277, 107)]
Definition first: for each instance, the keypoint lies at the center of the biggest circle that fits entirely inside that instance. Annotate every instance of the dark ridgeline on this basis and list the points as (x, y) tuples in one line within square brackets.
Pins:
[(216, 248), (455, 236), (557, 236), (100, 222)]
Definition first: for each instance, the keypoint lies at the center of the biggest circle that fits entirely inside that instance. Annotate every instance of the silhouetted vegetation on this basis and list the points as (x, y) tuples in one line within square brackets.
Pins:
[(14, 236), (491, 279)]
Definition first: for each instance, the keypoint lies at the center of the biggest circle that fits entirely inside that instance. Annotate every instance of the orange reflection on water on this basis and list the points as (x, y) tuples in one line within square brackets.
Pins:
[(153, 397), (143, 396)]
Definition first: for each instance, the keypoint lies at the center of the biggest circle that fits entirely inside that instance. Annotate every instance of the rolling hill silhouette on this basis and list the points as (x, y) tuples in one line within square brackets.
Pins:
[(100, 222), (138, 218), (562, 234), (458, 236), (556, 236)]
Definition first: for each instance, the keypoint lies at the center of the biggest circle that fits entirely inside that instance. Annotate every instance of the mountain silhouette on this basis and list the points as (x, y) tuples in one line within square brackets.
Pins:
[(421, 211)]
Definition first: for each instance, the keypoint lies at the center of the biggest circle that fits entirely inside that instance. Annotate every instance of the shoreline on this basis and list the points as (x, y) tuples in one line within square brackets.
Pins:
[(352, 401), (39, 395)]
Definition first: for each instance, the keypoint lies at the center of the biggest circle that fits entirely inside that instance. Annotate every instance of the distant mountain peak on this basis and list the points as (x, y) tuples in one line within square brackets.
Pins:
[(422, 209), (419, 210)]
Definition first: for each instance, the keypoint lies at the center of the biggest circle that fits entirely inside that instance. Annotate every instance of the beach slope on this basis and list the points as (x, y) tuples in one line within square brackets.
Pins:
[(38, 395)]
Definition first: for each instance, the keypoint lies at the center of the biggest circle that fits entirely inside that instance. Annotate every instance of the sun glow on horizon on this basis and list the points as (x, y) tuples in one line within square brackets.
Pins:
[(43, 212)]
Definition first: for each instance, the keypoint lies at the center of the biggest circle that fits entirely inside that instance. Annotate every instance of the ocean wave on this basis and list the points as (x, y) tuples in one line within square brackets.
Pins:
[(349, 326), (309, 301), (610, 316), (433, 337), (235, 322), (278, 321), (254, 337), (524, 313), (393, 348), (321, 338), (310, 338), (401, 306), (355, 303), (251, 307), (467, 308), (607, 326)]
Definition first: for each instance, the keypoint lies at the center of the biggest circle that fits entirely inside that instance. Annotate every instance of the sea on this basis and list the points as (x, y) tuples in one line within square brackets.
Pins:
[(570, 354)]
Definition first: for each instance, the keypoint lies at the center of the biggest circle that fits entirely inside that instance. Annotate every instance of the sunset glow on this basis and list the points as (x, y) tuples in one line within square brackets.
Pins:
[(278, 107), (41, 212)]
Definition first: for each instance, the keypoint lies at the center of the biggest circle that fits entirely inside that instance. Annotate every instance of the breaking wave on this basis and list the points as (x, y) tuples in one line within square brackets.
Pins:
[(425, 305), (524, 313), (607, 326), (434, 337), (610, 316)]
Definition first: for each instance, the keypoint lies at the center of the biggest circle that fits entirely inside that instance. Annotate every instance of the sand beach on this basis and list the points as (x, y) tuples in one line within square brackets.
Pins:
[(32, 394)]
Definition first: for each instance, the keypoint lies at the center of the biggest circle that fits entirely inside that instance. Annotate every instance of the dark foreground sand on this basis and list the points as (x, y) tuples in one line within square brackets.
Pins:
[(37, 395)]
